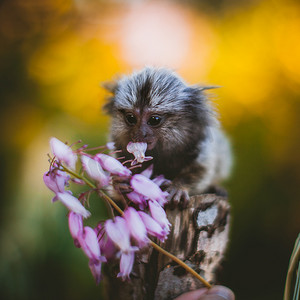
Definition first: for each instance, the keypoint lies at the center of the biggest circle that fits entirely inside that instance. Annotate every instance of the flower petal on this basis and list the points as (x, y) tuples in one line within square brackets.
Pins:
[(159, 180), (148, 188), (148, 172), (136, 226), (112, 165), (95, 268), (73, 204), (136, 147), (63, 152), (75, 227), (56, 180), (110, 145), (152, 227), (159, 215), (89, 244), (137, 199), (119, 233), (126, 264), (138, 150), (107, 246), (94, 170)]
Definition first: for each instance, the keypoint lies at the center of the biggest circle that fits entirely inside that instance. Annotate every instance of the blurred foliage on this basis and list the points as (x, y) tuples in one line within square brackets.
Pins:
[(54, 56)]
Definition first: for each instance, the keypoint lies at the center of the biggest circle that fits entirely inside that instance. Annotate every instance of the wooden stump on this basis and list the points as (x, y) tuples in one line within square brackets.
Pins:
[(199, 236)]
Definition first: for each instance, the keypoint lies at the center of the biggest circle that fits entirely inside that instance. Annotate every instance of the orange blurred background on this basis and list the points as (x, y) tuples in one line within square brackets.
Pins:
[(54, 56)]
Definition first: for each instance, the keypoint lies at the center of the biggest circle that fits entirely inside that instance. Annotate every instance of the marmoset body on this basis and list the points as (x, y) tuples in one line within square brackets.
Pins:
[(178, 124)]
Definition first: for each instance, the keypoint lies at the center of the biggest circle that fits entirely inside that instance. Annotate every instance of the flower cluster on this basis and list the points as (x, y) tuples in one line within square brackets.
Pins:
[(123, 235)]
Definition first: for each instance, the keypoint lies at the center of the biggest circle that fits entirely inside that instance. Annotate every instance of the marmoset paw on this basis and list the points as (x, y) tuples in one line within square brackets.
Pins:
[(178, 196), (122, 184), (165, 184)]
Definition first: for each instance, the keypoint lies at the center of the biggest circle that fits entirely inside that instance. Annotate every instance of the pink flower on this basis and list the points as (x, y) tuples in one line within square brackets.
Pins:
[(148, 188), (148, 172), (138, 150), (126, 264), (63, 153), (78, 181), (112, 165), (152, 227), (56, 180), (95, 268), (73, 204), (136, 226), (107, 246), (159, 215), (110, 145), (159, 180), (119, 233), (89, 243), (138, 199), (94, 170), (76, 227)]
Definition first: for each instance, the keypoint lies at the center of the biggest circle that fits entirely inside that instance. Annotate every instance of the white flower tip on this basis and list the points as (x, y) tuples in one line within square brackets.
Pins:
[(148, 172), (63, 152), (110, 146), (86, 214), (73, 204), (112, 165), (94, 170), (139, 148), (134, 162)]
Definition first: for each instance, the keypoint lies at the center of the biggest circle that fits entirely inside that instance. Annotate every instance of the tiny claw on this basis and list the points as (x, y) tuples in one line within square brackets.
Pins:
[(178, 196), (172, 191), (185, 199), (165, 184)]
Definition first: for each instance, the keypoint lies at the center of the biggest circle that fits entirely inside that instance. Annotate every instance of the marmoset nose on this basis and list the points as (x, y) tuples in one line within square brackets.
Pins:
[(142, 134)]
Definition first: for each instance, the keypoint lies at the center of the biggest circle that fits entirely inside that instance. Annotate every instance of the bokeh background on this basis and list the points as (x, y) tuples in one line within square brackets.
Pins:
[(54, 56)]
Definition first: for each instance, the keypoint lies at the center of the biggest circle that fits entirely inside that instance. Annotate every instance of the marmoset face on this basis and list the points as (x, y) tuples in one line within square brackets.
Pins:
[(144, 125), (156, 107)]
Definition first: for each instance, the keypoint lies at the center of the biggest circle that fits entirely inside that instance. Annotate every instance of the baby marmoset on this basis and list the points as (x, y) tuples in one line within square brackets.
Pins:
[(178, 124)]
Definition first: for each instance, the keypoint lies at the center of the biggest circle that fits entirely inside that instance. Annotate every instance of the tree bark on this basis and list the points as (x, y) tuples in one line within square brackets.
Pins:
[(199, 236)]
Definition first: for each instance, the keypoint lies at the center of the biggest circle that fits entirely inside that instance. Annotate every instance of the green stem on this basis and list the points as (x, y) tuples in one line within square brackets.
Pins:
[(94, 148), (181, 263), (154, 245), (91, 185), (113, 203)]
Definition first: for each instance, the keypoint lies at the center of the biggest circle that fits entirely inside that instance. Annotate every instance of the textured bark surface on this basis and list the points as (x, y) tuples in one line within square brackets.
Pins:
[(199, 236)]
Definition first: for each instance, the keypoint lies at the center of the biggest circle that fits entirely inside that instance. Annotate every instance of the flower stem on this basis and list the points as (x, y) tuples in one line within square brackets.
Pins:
[(95, 148), (181, 263), (91, 185), (113, 203), (154, 245)]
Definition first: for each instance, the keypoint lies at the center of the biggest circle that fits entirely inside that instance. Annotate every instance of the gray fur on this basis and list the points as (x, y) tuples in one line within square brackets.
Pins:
[(190, 149)]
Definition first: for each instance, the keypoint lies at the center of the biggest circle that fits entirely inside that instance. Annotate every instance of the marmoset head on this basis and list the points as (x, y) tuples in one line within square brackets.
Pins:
[(157, 107)]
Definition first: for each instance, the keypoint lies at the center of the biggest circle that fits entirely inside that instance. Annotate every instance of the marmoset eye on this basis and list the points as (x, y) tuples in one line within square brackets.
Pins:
[(154, 121), (131, 119)]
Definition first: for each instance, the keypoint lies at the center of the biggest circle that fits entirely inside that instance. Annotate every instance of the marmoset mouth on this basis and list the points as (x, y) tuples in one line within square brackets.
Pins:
[(151, 145)]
